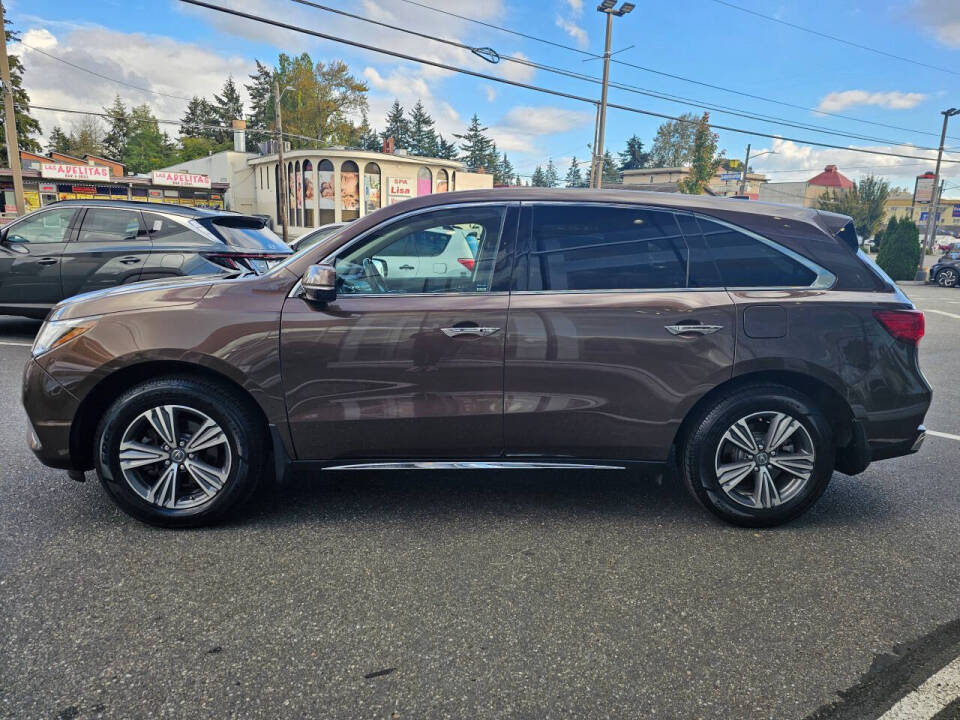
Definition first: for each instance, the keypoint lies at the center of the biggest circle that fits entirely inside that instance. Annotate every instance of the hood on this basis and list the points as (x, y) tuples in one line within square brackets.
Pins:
[(137, 296)]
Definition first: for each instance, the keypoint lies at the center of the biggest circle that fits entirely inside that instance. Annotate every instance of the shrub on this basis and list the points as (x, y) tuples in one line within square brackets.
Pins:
[(900, 251)]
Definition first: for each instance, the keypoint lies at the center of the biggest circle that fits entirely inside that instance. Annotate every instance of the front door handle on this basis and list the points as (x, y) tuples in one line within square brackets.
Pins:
[(695, 329), (130, 260), (47, 261), (469, 330), (406, 267)]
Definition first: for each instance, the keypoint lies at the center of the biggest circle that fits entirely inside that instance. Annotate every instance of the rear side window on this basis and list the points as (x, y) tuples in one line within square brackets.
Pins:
[(722, 255), (594, 247), (425, 243), (109, 225), (247, 233)]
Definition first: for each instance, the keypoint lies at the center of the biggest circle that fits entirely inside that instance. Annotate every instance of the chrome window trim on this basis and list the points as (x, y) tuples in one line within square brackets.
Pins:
[(471, 465)]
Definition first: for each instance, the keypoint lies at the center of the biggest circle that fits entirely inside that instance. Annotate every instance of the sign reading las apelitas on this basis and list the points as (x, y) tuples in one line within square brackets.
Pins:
[(175, 179), (63, 171)]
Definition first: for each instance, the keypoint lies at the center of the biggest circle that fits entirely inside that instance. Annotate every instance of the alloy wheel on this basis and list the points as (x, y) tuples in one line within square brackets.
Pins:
[(175, 457), (764, 459), (948, 277)]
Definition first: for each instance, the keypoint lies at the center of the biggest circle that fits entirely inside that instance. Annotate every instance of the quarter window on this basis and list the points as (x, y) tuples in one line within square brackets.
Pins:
[(594, 247), (453, 250)]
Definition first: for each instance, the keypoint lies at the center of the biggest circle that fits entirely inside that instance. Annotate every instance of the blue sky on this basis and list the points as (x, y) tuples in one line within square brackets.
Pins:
[(179, 50)]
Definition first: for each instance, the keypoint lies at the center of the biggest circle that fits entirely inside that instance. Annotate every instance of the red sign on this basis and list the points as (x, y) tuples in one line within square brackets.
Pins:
[(74, 172), (84, 189), (48, 187)]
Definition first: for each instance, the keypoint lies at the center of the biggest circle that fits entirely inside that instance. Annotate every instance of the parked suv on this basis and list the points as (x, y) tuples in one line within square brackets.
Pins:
[(751, 346), (76, 246)]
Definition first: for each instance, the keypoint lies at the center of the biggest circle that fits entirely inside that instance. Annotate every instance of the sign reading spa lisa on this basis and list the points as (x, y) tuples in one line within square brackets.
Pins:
[(399, 188), (189, 180), (62, 171)]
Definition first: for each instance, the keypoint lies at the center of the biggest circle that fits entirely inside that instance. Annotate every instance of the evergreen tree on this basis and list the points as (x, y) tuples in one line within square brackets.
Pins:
[(227, 107), (365, 137), (539, 178), (58, 141), (574, 176), (397, 127), (475, 145), (199, 120), (610, 173), (900, 252), (504, 173), (551, 175), (147, 148), (634, 157), (28, 129), (447, 150), (118, 121), (423, 138), (260, 92), (704, 160)]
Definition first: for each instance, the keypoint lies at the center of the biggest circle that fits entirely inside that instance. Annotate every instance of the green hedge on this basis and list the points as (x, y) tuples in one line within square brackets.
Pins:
[(900, 250)]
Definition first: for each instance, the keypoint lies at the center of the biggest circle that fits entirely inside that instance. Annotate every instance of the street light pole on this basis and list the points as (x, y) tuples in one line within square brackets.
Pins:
[(283, 171), (743, 175), (10, 124), (606, 7)]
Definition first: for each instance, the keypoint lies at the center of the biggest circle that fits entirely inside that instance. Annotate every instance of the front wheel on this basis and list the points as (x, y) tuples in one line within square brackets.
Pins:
[(759, 456), (948, 277), (179, 452)]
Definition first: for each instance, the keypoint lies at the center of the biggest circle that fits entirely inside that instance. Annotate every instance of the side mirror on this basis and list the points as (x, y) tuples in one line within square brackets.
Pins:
[(9, 237), (319, 283)]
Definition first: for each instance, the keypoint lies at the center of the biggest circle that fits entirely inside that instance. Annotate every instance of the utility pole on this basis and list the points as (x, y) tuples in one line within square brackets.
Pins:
[(743, 175), (932, 216), (283, 170), (593, 148), (606, 7), (10, 123)]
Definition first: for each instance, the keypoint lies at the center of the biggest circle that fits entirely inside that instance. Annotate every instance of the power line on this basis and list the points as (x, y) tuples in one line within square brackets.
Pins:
[(104, 77), (670, 75), (529, 86), (835, 38), (723, 109)]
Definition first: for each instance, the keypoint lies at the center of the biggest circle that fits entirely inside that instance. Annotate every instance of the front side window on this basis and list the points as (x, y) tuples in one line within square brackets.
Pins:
[(427, 253), (109, 225), (596, 247), (50, 226), (723, 255)]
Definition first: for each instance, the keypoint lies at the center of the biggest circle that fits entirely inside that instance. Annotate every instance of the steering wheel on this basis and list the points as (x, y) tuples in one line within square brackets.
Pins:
[(372, 273)]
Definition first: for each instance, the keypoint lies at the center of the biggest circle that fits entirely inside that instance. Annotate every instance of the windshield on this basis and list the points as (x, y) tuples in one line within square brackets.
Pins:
[(325, 241)]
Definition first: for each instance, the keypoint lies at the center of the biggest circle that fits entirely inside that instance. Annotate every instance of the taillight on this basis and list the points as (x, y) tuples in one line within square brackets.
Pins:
[(906, 325), (258, 262), (468, 263)]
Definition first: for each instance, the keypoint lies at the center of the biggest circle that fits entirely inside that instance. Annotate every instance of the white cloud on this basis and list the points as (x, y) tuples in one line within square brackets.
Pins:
[(942, 18), (522, 126), (576, 7), (574, 31), (491, 92), (39, 38), (891, 100)]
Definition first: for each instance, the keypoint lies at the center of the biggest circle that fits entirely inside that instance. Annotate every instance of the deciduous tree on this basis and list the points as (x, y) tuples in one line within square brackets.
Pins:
[(704, 159)]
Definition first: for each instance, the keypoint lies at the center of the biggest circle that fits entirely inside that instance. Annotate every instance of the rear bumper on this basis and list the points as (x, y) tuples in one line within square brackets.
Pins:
[(50, 409), (861, 451)]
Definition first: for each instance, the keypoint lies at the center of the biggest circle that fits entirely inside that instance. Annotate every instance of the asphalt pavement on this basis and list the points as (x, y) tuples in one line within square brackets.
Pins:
[(480, 595)]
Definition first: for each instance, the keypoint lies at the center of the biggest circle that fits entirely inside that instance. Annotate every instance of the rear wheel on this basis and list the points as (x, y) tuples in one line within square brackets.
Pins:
[(179, 452), (759, 456), (948, 277)]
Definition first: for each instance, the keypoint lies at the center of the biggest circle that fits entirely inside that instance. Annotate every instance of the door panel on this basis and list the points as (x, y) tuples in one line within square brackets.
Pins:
[(376, 377), (598, 375), (110, 249), (30, 257)]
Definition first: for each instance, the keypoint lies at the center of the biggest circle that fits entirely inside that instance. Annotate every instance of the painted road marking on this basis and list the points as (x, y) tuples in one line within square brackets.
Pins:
[(30, 344), (942, 312), (948, 436), (930, 698)]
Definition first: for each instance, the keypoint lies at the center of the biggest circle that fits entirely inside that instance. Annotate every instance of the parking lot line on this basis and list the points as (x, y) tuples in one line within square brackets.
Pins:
[(934, 695), (942, 312), (11, 342), (948, 436)]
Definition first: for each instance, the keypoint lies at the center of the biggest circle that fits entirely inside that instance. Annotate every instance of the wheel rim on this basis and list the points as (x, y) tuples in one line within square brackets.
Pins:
[(175, 457), (764, 459), (947, 278)]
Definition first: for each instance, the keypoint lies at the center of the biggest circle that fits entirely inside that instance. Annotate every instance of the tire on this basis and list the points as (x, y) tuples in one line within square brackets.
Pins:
[(948, 277), (201, 487), (749, 501)]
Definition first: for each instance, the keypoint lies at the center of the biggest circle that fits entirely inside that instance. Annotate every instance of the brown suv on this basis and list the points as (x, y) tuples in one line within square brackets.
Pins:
[(753, 346)]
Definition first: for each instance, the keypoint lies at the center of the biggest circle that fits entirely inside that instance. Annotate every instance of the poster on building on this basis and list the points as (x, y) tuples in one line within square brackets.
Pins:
[(349, 191), (371, 192), (956, 211), (399, 188), (442, 183), (291, 190), (298, 191), (307, 184), (325, 180), (923, 193)]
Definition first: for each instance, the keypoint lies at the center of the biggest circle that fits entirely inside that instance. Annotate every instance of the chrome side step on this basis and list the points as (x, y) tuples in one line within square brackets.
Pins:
[(471, 465)]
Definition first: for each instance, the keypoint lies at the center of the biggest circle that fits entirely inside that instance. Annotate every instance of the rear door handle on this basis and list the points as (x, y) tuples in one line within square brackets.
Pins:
[(130, 260), (48, 261), (694, 329), (406, 267), (470, 330)]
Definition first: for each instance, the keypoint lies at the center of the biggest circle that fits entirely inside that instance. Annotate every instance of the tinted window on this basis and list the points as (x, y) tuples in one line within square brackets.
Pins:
[(109, 225), (741, 261), (248, 233), (592, 247), (428, 252), (168, 230), (49, 226)]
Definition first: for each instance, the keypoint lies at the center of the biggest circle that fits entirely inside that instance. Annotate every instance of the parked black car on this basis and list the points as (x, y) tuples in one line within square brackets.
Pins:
[(76, 246), (946, 271)]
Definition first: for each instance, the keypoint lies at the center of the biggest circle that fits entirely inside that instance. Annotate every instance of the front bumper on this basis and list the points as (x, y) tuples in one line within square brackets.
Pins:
[(50, 408)]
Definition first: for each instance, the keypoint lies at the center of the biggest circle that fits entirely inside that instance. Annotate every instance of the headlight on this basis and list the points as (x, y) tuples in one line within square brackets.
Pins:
[(56, 333)]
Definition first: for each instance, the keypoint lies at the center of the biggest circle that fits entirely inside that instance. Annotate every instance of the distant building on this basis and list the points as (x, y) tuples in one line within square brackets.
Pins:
[(667, 179), (806, 193)]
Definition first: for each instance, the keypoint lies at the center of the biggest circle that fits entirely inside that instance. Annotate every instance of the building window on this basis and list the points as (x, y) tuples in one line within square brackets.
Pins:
[(371, 188), (349, 191), (296, 187), (307, 194), (325, 193), (276, 192), (442, 183), (290, 179), (424, 181)]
